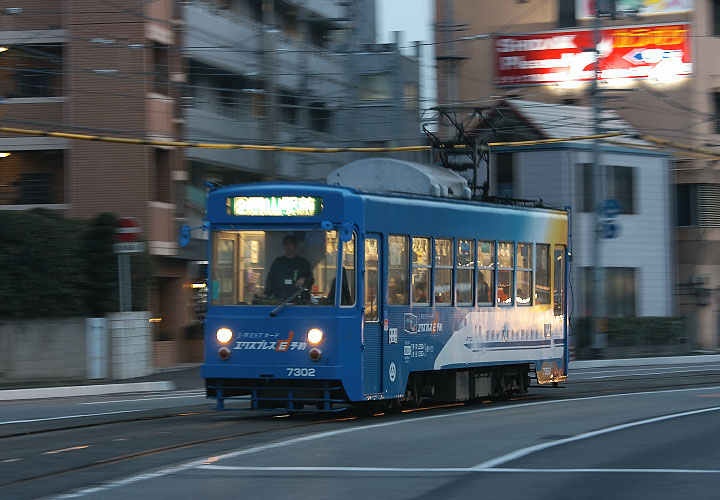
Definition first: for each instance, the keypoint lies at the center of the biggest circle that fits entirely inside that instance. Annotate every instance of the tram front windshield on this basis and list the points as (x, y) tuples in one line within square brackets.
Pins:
[(271, 267)]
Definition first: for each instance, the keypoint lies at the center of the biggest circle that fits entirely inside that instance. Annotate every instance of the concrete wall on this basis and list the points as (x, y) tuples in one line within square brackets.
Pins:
[(56, 348), (42, 349)]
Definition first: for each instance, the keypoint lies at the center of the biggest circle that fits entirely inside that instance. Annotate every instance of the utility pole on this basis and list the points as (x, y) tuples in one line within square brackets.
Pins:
[(269, 101), (598, 322)]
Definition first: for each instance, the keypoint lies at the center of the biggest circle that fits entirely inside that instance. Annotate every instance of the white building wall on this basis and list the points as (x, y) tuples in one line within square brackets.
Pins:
[(645, 241)]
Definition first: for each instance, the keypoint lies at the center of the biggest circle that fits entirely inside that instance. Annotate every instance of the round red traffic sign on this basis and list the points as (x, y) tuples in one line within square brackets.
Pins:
[(127, 230)]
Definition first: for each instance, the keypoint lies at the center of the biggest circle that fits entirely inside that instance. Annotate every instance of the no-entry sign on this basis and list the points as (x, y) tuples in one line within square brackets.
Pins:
[(127, 230)]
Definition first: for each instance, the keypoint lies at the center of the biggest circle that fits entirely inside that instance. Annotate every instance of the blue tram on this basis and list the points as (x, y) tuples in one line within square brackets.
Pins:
[(440, 299)]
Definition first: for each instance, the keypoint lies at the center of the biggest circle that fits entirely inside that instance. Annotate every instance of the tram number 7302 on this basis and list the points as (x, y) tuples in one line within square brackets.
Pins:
[(300, 372)]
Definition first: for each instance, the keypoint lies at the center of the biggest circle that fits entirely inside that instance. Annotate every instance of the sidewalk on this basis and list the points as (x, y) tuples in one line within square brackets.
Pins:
[(187, 377), (180, 377)]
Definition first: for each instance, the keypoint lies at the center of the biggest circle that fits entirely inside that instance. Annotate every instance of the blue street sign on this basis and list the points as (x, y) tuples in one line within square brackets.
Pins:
[(608, 229), (611, 208), (184, 236)]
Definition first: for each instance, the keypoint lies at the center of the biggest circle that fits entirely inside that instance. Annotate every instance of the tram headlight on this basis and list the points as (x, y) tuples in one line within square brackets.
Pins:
[(224, 335), (315, 336)]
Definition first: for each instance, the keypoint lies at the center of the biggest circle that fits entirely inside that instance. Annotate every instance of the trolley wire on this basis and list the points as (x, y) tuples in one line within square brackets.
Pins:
[(661, 143)]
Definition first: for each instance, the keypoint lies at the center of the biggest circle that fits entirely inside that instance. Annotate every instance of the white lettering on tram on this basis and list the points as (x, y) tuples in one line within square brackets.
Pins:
[(270, 346)]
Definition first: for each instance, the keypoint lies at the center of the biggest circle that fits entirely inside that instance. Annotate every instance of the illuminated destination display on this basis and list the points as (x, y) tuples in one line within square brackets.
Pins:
[(275, 206), (660, 54)]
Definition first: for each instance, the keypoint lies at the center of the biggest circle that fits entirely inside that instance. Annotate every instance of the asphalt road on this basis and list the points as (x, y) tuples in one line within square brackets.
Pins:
[(621, 432)]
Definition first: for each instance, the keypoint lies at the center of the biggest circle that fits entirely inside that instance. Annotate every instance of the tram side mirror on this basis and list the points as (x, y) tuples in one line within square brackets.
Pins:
[(346, 231)]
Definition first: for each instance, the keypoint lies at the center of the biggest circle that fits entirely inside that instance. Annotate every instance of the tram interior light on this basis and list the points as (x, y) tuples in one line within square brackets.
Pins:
[(315, 336), (224, 335)]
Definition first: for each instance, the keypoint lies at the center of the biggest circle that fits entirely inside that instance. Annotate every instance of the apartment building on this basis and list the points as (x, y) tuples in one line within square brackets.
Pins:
[(657, 70), (269, 72)]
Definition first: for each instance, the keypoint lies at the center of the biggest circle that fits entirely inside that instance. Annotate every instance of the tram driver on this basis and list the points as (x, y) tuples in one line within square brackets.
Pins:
[(289, 272)]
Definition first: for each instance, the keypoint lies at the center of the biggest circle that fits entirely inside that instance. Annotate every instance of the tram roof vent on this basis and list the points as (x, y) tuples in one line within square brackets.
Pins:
[(399, 176)]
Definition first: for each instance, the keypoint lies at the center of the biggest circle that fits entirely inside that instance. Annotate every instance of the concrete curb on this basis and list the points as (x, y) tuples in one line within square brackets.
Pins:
[(84, 390), (670, 360)]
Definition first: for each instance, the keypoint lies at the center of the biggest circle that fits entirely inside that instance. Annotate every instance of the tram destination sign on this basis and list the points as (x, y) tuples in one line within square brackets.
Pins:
[(275, 206)]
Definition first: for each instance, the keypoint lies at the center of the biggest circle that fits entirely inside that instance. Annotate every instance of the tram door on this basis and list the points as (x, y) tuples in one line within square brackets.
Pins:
[(372, 327)]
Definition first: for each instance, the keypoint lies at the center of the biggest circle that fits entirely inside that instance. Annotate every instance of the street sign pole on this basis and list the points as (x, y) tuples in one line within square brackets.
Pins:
[(124, 282), (126, 233)]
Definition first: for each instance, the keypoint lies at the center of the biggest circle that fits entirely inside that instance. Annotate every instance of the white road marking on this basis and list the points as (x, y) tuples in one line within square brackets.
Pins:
[(313, 437), (55, 452), (9, 460), (65, 417), (645, 373), (238, 468), (495, 462), (624, 370), (145, 399)]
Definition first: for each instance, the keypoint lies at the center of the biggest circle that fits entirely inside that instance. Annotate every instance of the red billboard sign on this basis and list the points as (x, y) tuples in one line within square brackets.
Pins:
[(660, 53)]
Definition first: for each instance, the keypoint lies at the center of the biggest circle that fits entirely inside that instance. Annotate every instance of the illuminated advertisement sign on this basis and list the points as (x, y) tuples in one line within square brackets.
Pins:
[(586, 8), (659, 53), (275, 206)]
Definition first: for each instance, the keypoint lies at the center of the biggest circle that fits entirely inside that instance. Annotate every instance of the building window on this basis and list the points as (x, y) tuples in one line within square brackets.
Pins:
[(716, 102), (620, 293), (707, 205), (619, 185), (410, 95), (319, 117), (32, 178), (162, 175), (288, 109), (377, 87), (32, 71), (161, 68), (716, 17), (685, 204), (504, 163), (567, 13)]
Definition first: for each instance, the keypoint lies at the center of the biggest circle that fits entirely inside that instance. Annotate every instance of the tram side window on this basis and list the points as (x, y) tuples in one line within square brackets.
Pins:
[(443, 271), (223, 274), (524, 274), (372, 279), (347, 295), (486, 271), (397, 270), (465, 266), (559, 280), (542, 273), (421, 270), (506, 266)]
